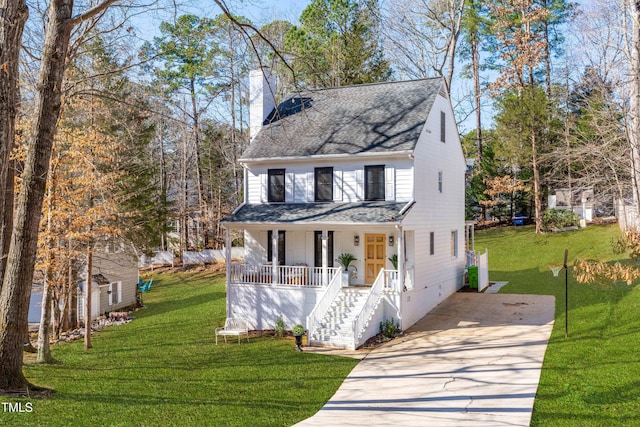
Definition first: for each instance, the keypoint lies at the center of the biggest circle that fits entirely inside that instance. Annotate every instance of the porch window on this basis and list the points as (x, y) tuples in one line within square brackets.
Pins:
[(317, 249), (374, 182), (276, 185), (323, 184), (281, 247)]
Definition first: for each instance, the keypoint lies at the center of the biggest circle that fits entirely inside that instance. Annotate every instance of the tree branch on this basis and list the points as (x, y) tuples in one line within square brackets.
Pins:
[(90, 13)]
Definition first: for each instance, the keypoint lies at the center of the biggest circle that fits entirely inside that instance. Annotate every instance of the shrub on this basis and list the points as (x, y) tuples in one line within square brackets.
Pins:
[(559, 218), (280, 327), (390, 328), (298, 330)]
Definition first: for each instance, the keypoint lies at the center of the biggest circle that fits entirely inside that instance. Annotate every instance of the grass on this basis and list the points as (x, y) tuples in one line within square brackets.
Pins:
[(591, 378), (165, 369)]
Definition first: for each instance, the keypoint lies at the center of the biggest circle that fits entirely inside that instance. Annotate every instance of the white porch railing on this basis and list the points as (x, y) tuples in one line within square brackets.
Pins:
[(318, 312), (297, 275), (391, 282), (361, 319)]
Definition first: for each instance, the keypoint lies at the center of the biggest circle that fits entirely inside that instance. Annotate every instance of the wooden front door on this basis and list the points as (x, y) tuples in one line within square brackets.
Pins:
[(375, 256)]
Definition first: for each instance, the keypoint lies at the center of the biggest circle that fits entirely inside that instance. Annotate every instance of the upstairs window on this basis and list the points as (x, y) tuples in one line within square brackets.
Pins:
[(374, 182), (323, 185), (440, 181), (443, 122), (276, 185)]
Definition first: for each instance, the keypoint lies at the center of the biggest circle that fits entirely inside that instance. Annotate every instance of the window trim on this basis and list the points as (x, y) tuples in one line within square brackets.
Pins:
[(379, 186), (271, 196), (316, 174)]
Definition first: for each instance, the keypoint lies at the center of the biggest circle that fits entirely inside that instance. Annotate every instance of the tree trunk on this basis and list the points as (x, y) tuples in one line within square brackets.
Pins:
[(73, 290), (634, 134), (87, 300), (537, 203), (12, 21), (18, 278), (202, 206), (547, 52), (44, 352)]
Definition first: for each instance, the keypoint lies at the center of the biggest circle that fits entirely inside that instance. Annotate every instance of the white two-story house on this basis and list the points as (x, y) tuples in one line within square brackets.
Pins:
[(375, 171)]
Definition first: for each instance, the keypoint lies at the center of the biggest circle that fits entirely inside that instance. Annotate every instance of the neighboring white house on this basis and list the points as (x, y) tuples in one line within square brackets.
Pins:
[(115, 280), (373, 170)]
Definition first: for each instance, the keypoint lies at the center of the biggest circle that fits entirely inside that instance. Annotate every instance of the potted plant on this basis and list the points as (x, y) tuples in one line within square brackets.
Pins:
[(345, 260), (298, 332), (394, 261)]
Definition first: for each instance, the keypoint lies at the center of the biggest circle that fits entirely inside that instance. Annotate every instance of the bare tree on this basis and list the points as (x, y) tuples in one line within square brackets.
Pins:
[(17, 281), (422, 36)]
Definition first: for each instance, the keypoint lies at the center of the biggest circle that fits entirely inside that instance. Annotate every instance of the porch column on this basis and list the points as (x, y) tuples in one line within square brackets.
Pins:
[(401, 259), (274, 257), (227, 257), (325, 258)]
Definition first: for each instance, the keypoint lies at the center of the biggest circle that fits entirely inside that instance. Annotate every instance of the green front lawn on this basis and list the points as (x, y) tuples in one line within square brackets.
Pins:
[(165, 369), (591, 378)]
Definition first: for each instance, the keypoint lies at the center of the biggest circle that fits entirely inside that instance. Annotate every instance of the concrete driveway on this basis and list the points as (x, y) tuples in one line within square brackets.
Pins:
[(473, 361)]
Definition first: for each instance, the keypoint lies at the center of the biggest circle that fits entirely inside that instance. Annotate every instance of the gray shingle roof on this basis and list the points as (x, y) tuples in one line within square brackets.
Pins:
[(347, 120), (331, 213)]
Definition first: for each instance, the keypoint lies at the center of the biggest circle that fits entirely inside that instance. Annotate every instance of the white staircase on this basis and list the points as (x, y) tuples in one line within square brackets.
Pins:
[(336, 327)]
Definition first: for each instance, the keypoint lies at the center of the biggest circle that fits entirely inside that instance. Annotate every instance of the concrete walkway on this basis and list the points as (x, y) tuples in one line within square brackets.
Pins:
[(473, 361)]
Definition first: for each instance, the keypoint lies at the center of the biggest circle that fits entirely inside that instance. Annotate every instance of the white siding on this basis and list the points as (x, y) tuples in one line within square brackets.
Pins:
[(438, 275), (300, 191), (348, 181), (255, 188)]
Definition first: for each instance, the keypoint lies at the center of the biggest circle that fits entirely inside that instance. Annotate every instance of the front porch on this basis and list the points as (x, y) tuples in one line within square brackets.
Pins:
[(289, 275), (333, 313)]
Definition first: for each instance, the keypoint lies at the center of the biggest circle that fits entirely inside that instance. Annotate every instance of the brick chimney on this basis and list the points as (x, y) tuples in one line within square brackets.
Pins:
[(261, 98)]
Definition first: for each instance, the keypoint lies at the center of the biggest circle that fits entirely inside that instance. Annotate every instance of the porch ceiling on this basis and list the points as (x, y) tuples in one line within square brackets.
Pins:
[(320, 213)]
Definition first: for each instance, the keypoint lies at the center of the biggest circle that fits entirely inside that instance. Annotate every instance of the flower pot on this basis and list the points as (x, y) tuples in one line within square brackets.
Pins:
[(345, 278)]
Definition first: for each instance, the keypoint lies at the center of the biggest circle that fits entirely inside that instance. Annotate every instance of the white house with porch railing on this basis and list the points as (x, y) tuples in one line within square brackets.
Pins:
[(375, 171)]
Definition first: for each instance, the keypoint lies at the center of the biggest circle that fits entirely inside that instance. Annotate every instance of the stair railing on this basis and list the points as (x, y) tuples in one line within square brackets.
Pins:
[(361, 319), (327, 298)]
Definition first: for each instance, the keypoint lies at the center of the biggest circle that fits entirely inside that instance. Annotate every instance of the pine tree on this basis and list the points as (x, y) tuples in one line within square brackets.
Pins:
[(337, 44)]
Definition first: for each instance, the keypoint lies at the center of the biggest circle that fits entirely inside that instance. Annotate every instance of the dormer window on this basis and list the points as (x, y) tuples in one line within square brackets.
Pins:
[(276, 185), (374, 182), (323, 185)]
